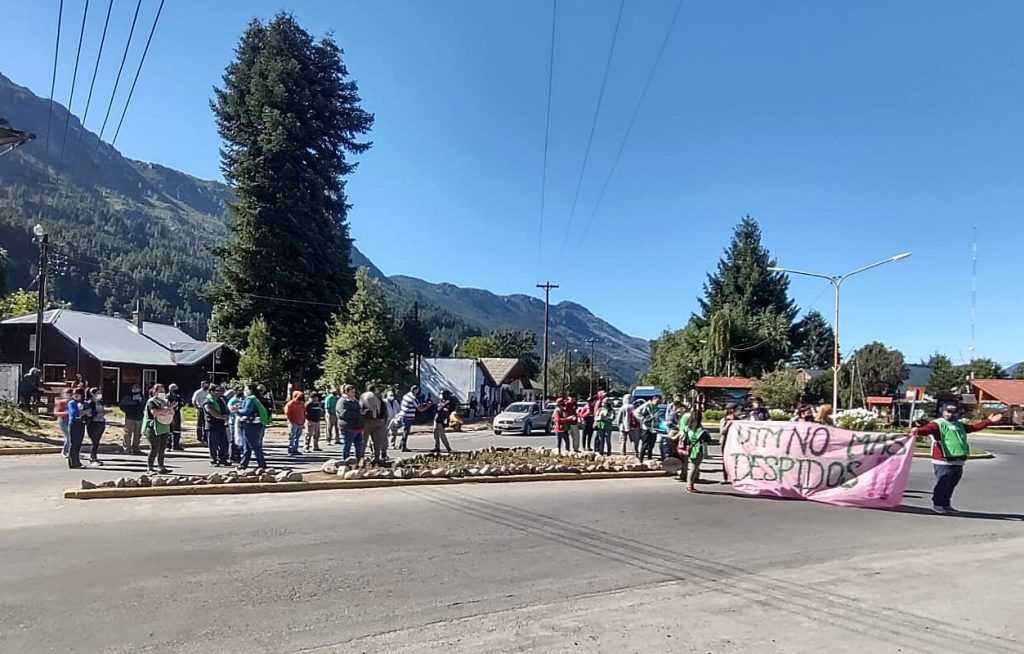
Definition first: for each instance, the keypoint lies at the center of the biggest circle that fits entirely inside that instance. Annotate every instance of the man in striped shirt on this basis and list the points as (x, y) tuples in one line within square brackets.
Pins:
[(411, 405)]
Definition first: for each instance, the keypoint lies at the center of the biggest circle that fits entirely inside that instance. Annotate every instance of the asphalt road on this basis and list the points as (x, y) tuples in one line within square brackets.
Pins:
[(616, 566)]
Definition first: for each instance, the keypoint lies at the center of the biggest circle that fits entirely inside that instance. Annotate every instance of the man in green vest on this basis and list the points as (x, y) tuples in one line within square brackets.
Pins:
[(949, 452)]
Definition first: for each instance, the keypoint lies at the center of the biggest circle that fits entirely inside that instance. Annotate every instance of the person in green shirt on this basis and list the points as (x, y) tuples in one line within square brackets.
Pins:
[(603, 423), (330, 404), (692, 448)]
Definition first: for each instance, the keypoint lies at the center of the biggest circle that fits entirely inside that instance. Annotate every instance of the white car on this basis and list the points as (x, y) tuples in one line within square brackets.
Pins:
[(524, 418)]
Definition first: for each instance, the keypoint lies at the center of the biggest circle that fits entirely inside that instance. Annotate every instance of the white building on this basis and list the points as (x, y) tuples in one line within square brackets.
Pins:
[(463, 378)]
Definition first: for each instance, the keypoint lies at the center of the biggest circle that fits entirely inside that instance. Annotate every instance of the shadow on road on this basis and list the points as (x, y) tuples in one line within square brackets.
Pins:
[(978, 515)]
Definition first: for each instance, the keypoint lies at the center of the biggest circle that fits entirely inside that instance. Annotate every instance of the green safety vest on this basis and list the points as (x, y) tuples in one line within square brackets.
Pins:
[(953, 438)]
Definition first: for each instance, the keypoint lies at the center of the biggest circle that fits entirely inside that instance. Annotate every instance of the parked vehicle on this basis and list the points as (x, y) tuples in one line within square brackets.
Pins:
[(523, 418), (645, 393)]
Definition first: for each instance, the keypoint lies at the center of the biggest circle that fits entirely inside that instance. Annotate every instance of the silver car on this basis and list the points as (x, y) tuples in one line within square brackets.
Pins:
[(523, 418)]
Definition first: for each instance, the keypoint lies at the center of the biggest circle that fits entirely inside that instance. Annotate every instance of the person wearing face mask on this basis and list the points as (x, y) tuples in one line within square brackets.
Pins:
[(177, 401), (394, 411), (156, 425), (97, 424), (133, 405), (253, 417), (79, 413), (949, 452), (214, 417), (234, 403)]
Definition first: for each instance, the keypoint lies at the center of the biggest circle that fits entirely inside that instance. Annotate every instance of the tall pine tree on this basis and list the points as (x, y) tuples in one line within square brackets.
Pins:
[(746, 310), (743, 280), (289, 116)]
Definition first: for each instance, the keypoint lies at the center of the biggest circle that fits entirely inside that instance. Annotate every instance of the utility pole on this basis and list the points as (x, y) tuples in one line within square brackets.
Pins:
[(547, 311), (416, 350), (568, 373), (590, 342), (44, 245)]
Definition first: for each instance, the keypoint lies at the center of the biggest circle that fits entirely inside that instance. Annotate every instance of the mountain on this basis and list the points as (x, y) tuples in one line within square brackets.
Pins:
[(570, 323), (135, 229)]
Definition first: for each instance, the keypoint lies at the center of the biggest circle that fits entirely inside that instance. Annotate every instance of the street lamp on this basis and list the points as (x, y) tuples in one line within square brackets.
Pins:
[(836, 281), (44, 242)]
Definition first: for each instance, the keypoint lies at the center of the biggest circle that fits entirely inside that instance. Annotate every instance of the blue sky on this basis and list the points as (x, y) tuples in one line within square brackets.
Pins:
[(852, 131)]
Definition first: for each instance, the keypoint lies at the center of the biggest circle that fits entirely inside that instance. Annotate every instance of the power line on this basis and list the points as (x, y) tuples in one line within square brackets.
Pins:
[(593, 126), (96, 68), (285, 299), (636, 111), (131, 91), (120, 69), (547, 133), (74, 78), (53, 84)]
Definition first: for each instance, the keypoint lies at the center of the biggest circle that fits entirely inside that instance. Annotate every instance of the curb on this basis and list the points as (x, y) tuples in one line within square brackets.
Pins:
[(973, 455), (57, 449), (336, 484)]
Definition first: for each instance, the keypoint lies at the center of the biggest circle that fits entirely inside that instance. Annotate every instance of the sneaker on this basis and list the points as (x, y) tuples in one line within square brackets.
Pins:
[(316, 449), (96, 462), (940, 509), (691, 489), (950, 509), (165, 471), (406, 449)]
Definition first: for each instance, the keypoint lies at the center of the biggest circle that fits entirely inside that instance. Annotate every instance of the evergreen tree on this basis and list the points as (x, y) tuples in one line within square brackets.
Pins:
[(260, 363), (366, 346), (288, 115), (983, 369), (3, 271), (742, 278), (946, 378), (814, 340)]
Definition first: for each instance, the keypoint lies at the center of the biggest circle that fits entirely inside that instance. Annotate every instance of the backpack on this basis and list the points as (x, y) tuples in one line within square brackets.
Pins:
[(634, 423)]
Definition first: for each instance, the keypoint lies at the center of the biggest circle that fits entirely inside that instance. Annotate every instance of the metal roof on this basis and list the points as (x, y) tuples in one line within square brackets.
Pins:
[(115, 340), (736, 383), (504, 370)]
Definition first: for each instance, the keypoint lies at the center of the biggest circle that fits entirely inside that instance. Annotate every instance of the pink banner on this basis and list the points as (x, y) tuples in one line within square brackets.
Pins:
[(803, 460)]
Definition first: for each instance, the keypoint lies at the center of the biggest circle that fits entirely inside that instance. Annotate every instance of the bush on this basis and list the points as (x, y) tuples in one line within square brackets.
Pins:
[(856, 420), (779, 414), (712, 416)]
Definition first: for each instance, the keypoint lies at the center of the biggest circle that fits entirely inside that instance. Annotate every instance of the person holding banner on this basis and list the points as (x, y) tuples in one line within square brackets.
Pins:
[(758, 410), (692, 448), (949, 452)]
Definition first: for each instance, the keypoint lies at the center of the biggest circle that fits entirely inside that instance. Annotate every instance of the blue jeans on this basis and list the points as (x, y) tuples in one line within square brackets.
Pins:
[(294, 436), (252, 444), (406, 428), (67, 435), (350, 438)]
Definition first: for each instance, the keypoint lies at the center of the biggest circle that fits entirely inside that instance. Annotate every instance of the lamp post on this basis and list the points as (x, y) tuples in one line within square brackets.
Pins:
[(44, 243), (836, 281), (591, 342)]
